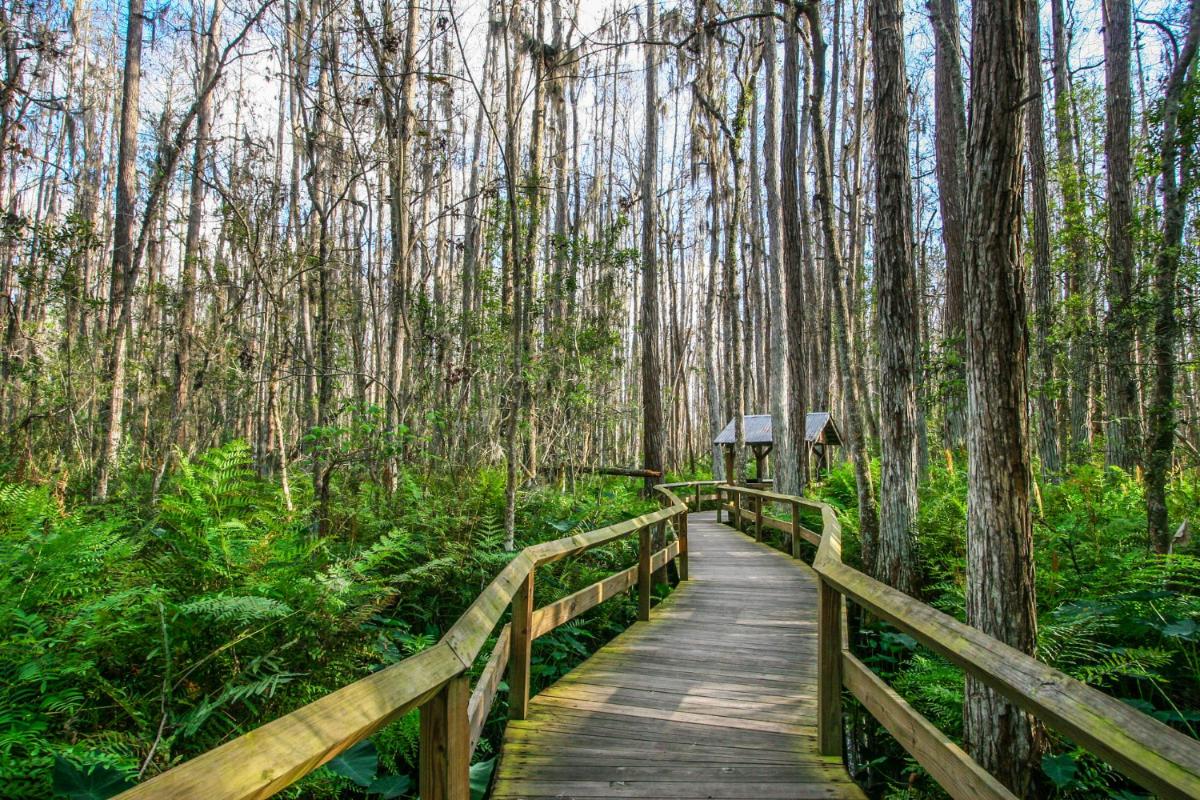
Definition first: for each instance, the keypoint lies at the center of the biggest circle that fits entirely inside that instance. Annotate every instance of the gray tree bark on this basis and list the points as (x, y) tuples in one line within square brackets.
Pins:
[(950, 148), (793, 252), (652, 430), (1044, 294), (784, 453), (1000, 581), (1121, 401), (122, 283), (896, 298)]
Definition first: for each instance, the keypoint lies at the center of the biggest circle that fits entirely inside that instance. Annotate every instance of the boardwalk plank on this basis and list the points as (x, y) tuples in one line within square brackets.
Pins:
[(714, 697)]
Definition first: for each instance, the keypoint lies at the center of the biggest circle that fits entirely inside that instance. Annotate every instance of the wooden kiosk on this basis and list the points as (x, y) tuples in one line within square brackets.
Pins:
[(820, 433)]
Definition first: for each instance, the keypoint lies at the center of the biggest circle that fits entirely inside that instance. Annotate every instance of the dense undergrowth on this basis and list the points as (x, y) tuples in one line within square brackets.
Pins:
[(1111, 613), (135, 635)]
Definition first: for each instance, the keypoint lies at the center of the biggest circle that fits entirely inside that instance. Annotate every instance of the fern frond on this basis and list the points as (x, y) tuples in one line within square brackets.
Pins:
[(240, 610)]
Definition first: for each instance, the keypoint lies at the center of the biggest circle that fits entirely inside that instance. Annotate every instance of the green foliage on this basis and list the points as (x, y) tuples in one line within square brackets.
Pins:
[(138, 636), (1111, 613)]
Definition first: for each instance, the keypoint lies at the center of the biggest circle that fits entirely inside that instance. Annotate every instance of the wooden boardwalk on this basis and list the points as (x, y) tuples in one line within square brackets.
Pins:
[(715, 697)]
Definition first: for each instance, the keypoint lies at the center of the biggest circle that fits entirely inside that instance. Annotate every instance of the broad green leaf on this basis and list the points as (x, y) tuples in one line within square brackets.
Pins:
[(359, 763), (1183, 628), (1060, 769), (97, 783), (481, 776), (390, 786)]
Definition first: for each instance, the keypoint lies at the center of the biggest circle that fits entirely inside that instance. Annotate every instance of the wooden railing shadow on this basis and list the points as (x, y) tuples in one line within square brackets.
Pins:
[(436, 680), (1156, 756)]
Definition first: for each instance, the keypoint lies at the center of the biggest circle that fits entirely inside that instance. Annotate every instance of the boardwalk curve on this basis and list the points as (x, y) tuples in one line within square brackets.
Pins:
[(714, 697)]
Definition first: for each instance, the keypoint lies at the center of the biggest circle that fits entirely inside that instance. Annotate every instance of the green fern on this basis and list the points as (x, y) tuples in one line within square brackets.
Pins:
[(239, 610)]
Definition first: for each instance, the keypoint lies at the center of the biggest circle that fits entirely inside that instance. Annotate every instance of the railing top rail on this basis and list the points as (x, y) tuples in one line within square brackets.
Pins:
[(1150, 752), (772, 496), (277, 754)]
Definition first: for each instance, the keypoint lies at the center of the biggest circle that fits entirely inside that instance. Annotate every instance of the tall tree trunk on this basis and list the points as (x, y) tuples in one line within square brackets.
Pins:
[(950, 145), (1121, 402), (711, 322), (1000, 584), (400, 262), (652, 432), (1177, 164), (1044, 294), (868, 516), (793, 252), (1078, 322), (185, 333), (121, 291), (896, 297), (784, 454)]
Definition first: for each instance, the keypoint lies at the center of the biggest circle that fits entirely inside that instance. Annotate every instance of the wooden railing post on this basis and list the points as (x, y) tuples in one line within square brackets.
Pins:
[(829, 669), (795, 529), (720, 501), (520, 649), (681, 560), (757, 518), (737, 510), (445, 743), (644, 574), (657, 542)]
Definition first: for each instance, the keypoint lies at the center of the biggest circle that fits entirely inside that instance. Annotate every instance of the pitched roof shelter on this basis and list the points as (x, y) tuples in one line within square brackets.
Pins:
[(820, 432), (819, 429)]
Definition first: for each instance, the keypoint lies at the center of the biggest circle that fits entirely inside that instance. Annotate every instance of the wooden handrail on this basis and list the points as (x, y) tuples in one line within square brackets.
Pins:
[(277, 754), (1153, 754)]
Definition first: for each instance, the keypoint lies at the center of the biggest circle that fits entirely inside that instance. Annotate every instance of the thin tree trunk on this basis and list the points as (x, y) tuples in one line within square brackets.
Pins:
[(784, 453), (1177, 163), (793, 262), (1044, 293), (868, 516), (121, 291), (652, 432), (1121, 401), (1078, 324), (185, 333), (950, 144)]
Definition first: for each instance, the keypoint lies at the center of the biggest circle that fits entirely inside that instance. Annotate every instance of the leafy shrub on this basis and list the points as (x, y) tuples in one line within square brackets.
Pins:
[(134, 637), (1111, 613)]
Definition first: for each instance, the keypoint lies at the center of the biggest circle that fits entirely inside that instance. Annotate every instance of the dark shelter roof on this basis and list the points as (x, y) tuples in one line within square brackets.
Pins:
[(819, 428)]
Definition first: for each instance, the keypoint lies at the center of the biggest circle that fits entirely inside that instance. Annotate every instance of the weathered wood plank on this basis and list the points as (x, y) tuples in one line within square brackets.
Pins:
[(484, 693), (829, 670), (720, 681), (520, 649), (547, 618), (674, 790), (469, 633), (644, 573), (269, 758), (706, 775), (445, 746)]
